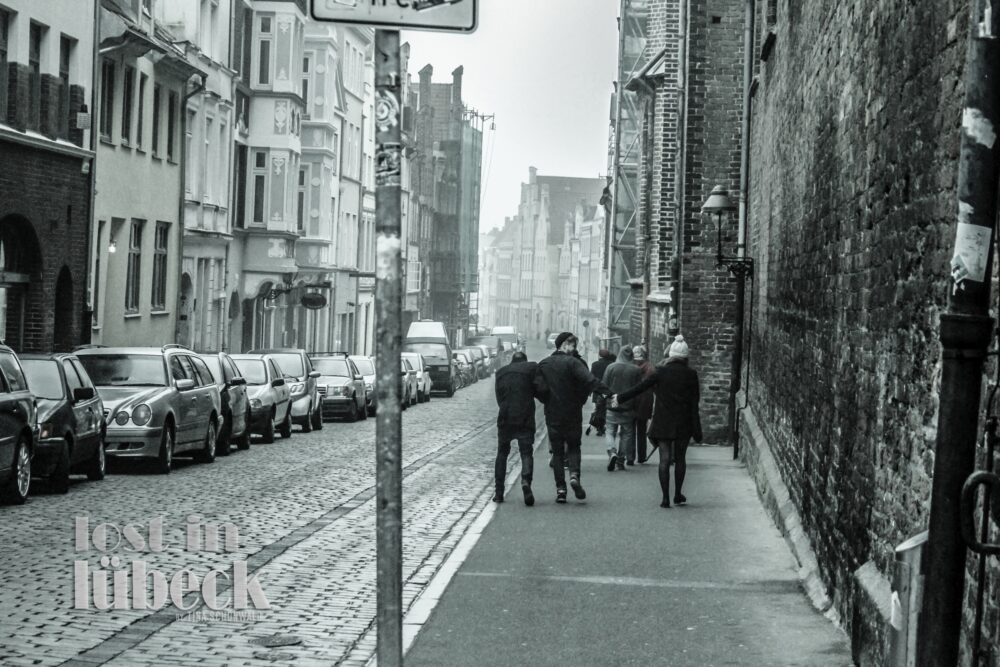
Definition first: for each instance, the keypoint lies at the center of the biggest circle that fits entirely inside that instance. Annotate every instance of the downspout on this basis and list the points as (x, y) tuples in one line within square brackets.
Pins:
[(87, 333), (741, 239), (182, 164), (680, 182), (965, 330)]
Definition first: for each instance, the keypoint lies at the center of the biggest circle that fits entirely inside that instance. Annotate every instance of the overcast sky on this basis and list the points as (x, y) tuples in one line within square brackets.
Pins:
[(545, 68)]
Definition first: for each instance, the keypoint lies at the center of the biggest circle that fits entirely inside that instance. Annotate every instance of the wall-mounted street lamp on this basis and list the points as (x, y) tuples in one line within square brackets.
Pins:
[(720, 206), (113, 247)]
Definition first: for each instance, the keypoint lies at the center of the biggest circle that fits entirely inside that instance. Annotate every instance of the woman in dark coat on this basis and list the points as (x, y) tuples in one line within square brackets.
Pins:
[(676, 419), (643, 404)]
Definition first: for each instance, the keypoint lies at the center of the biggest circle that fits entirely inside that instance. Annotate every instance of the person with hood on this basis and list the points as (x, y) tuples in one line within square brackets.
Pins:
[(620, 376), (604, 359), (643, 406), (518, 384), (676, 419), (568, 384)]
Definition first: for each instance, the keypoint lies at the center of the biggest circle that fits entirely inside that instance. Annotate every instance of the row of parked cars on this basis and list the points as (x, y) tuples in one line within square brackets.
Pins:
[(64, 414)]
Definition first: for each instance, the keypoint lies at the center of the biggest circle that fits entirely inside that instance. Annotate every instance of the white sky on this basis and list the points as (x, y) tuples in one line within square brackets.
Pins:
[(545, 68)]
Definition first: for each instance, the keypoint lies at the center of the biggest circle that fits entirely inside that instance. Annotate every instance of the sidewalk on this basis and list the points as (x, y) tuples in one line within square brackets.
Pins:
[(617, 580)]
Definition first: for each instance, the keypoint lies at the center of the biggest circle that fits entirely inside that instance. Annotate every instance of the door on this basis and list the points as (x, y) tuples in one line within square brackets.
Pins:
[(207, 401), (95, 405), (15, 408), (83, 417), (281, 402), (237, 395), (188, 408)]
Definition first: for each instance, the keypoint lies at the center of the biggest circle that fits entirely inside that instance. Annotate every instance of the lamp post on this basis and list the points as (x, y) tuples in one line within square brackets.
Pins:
[(719, 206)]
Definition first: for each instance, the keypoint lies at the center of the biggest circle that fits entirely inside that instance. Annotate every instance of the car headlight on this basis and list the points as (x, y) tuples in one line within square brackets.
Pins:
[(368, 386), (121, 418), (298, 388), (141, 415), (345, 390), (255, 403), (45, 430)]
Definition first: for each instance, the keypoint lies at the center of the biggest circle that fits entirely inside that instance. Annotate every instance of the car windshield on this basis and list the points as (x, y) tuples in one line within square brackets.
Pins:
[(427, 349), (508, 337), (365, 367), (213, 365), (336, 367), (252, 370), (461, 357), (125, 370), (43, 378), (492, 342), (290, 364)]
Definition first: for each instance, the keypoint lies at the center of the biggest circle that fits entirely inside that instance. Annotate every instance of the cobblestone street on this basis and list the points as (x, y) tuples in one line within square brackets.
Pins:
[(306, 522)]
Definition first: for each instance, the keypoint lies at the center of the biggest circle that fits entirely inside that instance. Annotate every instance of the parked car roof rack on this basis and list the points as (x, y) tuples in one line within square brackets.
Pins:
[(175, 346), (88, 346)]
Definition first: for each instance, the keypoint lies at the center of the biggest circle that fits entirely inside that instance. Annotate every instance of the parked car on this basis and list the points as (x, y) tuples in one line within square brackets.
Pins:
[(18, 429), (232, 386), (508, 334), (430, 339), (70, 419), (306, 409), (410, 383), (366, 366), (465, 367), (159, 402), (424, 382), (341, 387), (269, 395), (550, 342), (480, 359), (494, 346)]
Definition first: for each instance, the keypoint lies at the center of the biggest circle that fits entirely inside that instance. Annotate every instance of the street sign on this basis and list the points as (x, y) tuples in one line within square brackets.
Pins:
[(450, 15)]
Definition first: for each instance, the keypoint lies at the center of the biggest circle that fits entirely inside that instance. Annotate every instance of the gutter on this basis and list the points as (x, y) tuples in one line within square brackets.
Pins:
[(181, 198)]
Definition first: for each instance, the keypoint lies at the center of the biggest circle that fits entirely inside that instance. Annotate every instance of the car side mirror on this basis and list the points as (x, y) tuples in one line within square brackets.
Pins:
[(278, 382), (359, 377), (314, 374), (185, 384), (236, 382), (83, 394)]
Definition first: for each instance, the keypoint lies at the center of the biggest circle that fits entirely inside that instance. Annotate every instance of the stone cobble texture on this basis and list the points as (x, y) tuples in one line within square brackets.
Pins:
[(305, 514), (855, 142)]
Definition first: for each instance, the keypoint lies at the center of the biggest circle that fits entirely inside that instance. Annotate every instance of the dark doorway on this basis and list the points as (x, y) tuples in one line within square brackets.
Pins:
[(64, 333)]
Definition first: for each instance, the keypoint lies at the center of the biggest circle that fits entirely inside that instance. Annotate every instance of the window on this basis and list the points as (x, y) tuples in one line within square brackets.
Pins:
[(185, 363), (107, 97), (189, 177), (4, 31), (160, 265), (12, 371), (335, 147), (140, 110), (264, 52), (259, 183), (35, 32), (203, 371), (156, 118), (240, 188), (306, 75), (207, 160), (128, 99), (134, 274), (171, 123), (73, 380), (245, 58), (302, 199), (65, 53)]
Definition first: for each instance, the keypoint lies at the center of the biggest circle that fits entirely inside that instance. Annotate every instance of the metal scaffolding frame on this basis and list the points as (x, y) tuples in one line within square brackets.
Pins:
[(632, 38)]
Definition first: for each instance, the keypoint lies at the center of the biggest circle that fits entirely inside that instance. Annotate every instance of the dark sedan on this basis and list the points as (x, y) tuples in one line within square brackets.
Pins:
[(235, 402), (70, 419)]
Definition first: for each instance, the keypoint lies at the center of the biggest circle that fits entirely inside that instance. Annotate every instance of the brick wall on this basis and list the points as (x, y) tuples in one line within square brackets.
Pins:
[(855, 144)]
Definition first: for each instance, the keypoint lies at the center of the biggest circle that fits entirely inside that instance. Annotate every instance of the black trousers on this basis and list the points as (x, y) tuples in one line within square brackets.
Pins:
[(640, 438), (565, 445), (526, 446)]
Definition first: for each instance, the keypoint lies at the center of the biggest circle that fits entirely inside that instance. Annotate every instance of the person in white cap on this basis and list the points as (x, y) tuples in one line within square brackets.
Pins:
[(676, 419)]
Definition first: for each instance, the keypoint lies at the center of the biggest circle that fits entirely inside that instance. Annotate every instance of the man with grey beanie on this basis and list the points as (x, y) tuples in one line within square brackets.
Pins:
[(620, 424)]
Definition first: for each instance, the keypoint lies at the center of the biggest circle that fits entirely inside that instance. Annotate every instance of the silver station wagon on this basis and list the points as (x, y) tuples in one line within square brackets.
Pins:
[(158, 402)]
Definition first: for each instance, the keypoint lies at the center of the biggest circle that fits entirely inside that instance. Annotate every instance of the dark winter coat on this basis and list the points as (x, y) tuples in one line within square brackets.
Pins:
[(517, 386), (568, 384), (598, 368), (619, 376), (676, 415), (644, 401)]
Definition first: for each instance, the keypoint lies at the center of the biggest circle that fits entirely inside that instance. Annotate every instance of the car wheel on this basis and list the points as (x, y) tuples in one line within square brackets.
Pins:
[(222, 443), (451, 390), (352, 416), (317, 419), (286, 426), (243, 442), (59, 479), (269, 428), (15, 489), (165, 457), (307, 424), (207, 453), (98, 465), (362, 411)]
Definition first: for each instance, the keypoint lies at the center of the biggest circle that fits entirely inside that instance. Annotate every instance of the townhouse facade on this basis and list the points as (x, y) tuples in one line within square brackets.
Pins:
[(46, 98)]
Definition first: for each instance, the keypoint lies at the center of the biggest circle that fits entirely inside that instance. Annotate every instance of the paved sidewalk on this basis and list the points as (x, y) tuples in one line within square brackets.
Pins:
[(617, 580)]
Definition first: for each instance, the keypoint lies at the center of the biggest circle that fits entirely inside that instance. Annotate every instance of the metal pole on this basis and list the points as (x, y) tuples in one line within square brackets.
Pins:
[(965, 335), (388, 312)]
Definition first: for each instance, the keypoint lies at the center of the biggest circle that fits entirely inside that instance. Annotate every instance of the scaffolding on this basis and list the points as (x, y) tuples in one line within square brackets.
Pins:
[(625, 159)]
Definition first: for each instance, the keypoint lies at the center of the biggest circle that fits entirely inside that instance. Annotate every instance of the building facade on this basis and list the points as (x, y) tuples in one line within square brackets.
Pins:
[(46, 66)]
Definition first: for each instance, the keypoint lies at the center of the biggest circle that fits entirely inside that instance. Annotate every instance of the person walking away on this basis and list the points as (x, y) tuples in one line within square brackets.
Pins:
[(620, 376), (676, 419), (643, 406), (604, 359), (518, 384), (568, 384)]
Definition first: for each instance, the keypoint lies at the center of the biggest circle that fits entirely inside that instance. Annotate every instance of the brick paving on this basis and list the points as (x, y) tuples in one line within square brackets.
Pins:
[(306, 523)]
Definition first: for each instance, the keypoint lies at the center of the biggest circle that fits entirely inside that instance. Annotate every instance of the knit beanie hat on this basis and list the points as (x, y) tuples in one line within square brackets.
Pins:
[(639, 352), (561, 338), (679, 348)]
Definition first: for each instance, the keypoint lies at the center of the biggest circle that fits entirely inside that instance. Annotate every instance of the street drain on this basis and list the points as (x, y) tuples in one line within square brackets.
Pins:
[(274, 641), (274, 657)]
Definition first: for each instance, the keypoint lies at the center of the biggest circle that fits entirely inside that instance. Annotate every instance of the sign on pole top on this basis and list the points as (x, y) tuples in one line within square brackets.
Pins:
[(452, 15)]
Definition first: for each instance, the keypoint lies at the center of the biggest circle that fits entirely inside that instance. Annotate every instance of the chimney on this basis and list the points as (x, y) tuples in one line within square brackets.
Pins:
[(426, 74), (532, 175), (456, 85)]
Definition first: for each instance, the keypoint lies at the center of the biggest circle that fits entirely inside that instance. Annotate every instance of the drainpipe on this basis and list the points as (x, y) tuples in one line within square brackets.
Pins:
[(182, 164), (741, 240), (680, 182), (87, 333), (965, 331)]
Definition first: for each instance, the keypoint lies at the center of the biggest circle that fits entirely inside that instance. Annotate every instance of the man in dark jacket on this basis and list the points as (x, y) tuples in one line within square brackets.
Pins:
[(604, 359), (568, 384), (620, 376), (517, 386)]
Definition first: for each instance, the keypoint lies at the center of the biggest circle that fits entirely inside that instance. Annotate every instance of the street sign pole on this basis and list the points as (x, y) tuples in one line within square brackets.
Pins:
[(388, 313)]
